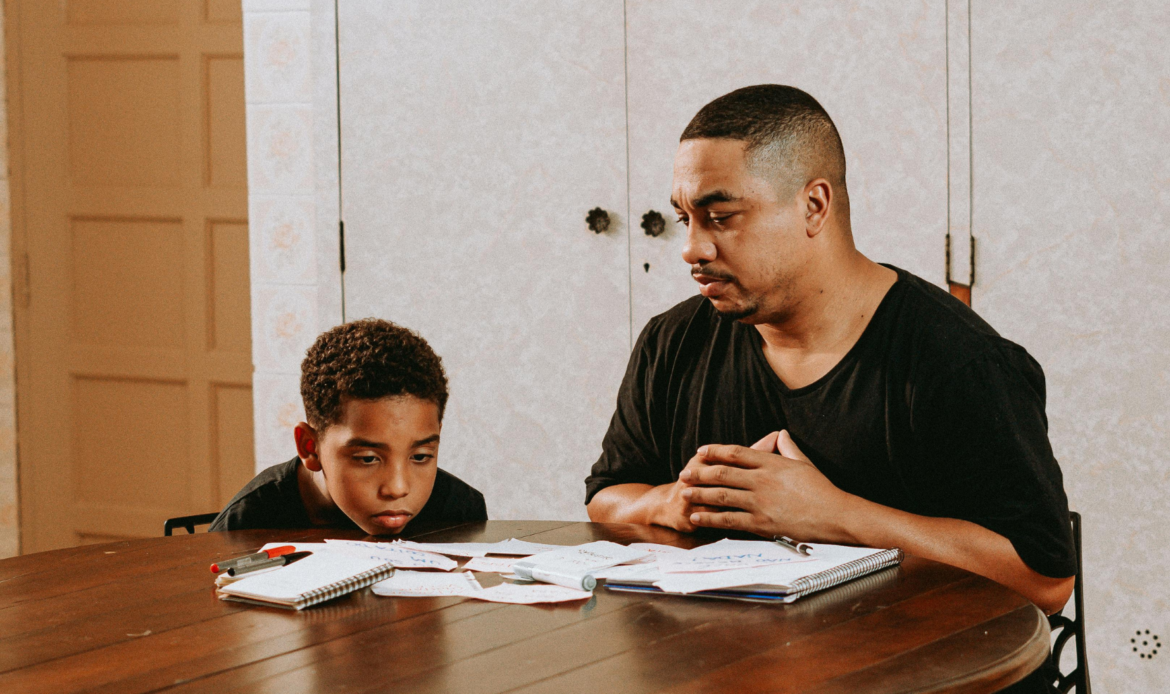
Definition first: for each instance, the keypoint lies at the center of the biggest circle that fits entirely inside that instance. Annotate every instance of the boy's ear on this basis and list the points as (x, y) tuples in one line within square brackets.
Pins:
[(307, 446)]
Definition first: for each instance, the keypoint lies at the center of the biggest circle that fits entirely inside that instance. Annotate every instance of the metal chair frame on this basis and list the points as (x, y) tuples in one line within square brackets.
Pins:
[(1071, 629), (188, 522)]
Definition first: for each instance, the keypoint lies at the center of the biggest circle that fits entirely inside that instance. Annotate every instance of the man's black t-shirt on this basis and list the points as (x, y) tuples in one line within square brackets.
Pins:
[(930, 412), (273, 500)]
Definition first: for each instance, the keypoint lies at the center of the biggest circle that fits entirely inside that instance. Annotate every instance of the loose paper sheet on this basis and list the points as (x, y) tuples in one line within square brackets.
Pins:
[(654, 549), (499, 565), (400, 557), (512, 547), (824, 557), (428, 584), (589, 557), (630, 572), (417, 584), (531, 594), (726, 555)]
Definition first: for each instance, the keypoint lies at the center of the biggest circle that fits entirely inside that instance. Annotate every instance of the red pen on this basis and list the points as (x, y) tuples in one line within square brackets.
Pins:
[(262, 555)]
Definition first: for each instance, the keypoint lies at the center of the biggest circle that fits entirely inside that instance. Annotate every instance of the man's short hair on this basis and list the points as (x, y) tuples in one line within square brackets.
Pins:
[(368, 359), (782, 126)]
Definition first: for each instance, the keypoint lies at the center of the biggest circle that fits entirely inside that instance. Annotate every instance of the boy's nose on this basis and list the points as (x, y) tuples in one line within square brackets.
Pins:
[(394, 484)]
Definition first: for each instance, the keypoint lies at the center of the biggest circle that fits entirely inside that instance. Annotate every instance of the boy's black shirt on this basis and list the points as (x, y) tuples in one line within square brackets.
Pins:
[(930, 412), (273, 500)]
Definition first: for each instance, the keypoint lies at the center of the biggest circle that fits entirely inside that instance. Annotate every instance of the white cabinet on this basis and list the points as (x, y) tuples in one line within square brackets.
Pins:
[(476, 137)]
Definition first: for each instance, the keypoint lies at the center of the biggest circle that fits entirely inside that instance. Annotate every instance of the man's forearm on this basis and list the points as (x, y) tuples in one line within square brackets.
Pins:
[(951, 541), (626, 503)]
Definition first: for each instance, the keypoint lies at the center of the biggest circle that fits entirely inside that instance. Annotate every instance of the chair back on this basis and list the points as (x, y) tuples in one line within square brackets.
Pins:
[(1066, 629), (188, 522)]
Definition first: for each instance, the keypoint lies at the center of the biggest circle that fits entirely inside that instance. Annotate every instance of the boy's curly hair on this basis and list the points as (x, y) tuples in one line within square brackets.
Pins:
[(368, 359)]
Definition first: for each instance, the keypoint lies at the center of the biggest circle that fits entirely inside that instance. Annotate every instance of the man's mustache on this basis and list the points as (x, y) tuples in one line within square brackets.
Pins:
[(713, 273)]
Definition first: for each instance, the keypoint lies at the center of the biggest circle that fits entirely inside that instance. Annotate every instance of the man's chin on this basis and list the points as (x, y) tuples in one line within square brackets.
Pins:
[(734, 311)]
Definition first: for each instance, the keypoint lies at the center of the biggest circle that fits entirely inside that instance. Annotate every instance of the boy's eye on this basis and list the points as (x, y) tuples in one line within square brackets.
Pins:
[(421, 458), (682, 219), (366, 459)]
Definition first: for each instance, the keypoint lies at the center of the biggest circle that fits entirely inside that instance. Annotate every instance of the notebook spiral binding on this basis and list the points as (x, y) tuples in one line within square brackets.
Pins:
[(334, 590), (846, 572)]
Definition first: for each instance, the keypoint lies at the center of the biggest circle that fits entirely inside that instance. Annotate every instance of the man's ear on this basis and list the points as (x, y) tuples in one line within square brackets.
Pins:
[(818, 197), (307, 446)]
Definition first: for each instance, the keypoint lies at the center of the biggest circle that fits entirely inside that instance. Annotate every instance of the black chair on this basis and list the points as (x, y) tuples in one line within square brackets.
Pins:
[(1066, 629), (188, 522)]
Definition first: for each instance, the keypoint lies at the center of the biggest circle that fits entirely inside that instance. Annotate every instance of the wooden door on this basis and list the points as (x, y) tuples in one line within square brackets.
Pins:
[(880, 72), (476, 137), (130, 204)]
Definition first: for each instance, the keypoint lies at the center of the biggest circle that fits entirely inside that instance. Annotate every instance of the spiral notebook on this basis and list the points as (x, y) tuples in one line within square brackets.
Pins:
[(831, 566), (314, 579)]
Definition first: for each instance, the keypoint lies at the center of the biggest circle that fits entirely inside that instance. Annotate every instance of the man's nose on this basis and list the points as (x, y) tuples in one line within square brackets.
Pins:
[(698, 247), (394, 484)]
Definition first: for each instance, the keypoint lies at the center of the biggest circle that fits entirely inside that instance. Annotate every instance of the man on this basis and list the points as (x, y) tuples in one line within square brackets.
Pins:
[(883, 411)]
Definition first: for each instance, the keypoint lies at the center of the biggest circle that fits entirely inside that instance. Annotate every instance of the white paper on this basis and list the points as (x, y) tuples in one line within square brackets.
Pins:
[(589, 557), (392, 553), (530, 594), (499, 565), (630, 572), (727, 555), (654, 549), (512, 547), (418, 584), (825, 557)]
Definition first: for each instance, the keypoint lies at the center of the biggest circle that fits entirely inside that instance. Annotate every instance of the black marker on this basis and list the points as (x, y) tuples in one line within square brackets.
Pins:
[(277, 561)]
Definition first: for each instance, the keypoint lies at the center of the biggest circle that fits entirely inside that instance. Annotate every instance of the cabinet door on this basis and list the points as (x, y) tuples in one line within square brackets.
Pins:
[(878, 69), (1071, 120), (475, 138)]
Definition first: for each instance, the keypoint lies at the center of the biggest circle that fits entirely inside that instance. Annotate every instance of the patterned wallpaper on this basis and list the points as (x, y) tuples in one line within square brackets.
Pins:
[(293, 299)]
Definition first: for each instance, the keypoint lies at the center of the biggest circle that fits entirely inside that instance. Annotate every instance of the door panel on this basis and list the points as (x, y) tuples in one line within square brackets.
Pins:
[(133, 345), (878, 69), (475, 138)]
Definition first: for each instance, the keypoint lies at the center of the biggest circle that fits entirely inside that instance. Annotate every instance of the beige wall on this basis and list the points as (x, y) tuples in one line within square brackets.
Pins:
[(9, 518)]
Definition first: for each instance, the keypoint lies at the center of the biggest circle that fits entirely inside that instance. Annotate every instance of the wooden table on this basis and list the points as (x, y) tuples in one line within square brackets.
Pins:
[(142, 616)]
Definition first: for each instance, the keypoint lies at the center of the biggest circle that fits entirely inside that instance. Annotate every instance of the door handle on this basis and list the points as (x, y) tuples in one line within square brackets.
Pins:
[(598, 220), (653, 223)]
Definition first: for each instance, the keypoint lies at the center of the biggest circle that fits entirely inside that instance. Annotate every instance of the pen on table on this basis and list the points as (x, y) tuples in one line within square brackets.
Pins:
[(270, 563), (798, 547), (262, 555)]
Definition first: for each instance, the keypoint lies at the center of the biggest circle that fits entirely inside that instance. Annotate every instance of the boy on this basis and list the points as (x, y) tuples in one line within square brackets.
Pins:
[(374, 396)]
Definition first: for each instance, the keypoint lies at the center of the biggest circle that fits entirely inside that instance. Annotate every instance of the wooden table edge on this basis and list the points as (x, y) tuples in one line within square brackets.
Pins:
[(1006, 671)]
